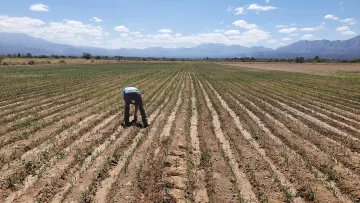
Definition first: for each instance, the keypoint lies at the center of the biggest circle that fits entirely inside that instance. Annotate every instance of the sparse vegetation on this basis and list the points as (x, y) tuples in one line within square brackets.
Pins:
[(235, 133)]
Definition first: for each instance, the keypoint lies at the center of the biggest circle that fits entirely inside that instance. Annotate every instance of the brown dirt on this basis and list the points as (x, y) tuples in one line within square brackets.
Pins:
[(305, 68)]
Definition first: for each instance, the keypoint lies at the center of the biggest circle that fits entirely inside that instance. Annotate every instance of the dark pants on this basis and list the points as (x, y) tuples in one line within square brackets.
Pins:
[(134, 96)]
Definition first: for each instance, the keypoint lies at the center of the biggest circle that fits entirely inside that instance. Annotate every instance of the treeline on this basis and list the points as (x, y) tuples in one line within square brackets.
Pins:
[(88, 56)]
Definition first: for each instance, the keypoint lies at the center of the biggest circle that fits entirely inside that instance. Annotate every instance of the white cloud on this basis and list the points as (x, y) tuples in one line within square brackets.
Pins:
[(219, 30), (350, 21), (163, 36), (96, 19), (239, 11), (267, 1), (165, 31), (121, 28), (307, 37), (331, 17), (288, 30), (244, 24), (39, 7), (294, 34), (256, 7), (345, 30), (286, 39), (81, 34), (124, 35), (272, 41), (281, 26), (232, 32), (308, 29)]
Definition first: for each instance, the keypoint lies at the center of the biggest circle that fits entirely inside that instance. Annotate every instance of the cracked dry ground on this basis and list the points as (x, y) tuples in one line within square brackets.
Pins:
[(216, 134)]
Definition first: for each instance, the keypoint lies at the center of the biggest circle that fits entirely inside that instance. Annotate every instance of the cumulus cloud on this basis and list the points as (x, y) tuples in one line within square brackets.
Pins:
[(256, 7), (281, 26), (232, 32), (163, 36), (312, 29), (288, 30), (331, 17), (345, 30), (96, 19), (244, 24), (121, 28), (293, 34), (178, 35), (39, 7), (350, 21), (165, 31), (307, 37), (67, 32), (308, 29), (239, 11), (286, 39), (248, 38)]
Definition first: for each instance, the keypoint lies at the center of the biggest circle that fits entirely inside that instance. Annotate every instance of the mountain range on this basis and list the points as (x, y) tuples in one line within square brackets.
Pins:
[(11, 43)]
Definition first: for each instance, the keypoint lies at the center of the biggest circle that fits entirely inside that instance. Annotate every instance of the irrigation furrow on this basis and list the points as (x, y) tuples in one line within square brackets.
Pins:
[(78, 189), (290, 151), (30, 180), (250, 139), (105, 185), (337, 170), (200, 193), (93, 105), (242, 183), (73, 102)]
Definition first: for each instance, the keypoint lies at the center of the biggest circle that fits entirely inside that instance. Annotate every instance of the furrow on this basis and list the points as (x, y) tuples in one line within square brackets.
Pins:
[(200, 192), (242, 183)]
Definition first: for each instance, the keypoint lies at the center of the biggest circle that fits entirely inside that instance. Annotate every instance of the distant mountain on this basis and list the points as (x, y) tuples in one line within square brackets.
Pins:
[(347, 49)]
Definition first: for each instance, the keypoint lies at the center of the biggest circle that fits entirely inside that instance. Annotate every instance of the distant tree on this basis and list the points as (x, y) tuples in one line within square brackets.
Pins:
[(317, 59), (28, 55), (86, 55), (299, 60), (19, 55), (97, 57)]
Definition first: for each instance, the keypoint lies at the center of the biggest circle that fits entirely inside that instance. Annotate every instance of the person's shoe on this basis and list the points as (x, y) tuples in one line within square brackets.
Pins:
[(126, 124), (146, 124)]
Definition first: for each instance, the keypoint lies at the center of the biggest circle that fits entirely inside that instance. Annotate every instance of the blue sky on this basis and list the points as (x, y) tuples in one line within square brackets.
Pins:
[(186, 23)]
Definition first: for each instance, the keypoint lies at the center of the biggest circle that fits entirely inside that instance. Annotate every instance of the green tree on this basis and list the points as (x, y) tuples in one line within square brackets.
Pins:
[(86, 55), (28, 55), (299, 60)]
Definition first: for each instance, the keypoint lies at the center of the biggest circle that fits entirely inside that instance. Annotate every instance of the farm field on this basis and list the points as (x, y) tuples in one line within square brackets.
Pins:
[(217, 134)]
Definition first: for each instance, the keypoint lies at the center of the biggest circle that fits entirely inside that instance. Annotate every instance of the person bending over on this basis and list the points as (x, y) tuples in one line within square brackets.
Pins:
[(132, 95)]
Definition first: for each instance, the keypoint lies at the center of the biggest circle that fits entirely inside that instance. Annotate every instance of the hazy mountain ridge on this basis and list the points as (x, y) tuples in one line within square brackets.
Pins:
[(11, 43)]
